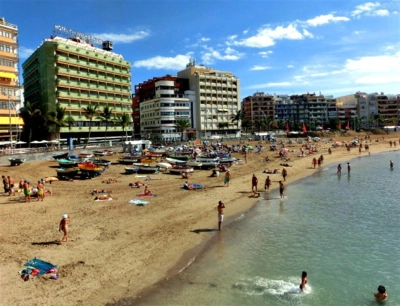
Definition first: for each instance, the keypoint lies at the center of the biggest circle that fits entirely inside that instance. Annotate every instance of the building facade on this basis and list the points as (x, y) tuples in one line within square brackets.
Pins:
[(10, 123), (162, 104), (76, 74), (216, 97), (259, 106)]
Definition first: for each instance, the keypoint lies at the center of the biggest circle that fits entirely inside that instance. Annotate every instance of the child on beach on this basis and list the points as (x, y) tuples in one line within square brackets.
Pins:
[(64, 227)]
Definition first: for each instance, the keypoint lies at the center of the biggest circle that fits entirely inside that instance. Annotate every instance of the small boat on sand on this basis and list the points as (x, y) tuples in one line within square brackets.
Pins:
[(16, 161)]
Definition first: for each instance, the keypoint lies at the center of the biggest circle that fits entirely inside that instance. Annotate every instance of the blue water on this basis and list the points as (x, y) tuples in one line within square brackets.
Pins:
[(343, 230)]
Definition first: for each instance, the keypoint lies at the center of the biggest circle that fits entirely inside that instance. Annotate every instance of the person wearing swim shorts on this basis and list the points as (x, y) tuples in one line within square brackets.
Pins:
[(227, 178), (27, 191), (11, 190), (254, 182), (40, 191), (220, 208), (64, 227)]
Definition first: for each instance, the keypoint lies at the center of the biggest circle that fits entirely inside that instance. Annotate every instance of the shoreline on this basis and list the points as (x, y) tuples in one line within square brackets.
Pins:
[(145, 244)]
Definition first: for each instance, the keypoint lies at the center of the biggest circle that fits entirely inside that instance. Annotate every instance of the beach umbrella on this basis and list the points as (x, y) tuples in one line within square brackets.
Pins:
[(170, 149), (35, 141), (20, 142), (54, 141), (43, 141), (178, 149)]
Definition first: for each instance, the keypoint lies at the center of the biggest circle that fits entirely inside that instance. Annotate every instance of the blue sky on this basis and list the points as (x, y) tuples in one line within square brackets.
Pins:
[(284, 47)]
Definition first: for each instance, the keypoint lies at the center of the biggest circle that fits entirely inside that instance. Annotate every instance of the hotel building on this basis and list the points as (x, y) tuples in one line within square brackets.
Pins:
[(216, 97), (76, 74), (10, 122)]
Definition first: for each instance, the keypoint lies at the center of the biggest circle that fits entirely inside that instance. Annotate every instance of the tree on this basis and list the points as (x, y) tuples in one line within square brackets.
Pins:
[(57, 119), (124, 120), (29, 113), (70, 122), (90, 112), (239, 116), (105, 116), (181, 126), (222, 125), (247, 124)]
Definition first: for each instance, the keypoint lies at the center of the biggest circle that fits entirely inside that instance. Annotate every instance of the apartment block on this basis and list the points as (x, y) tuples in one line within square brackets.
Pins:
[(259, 106), (216, 98), (10, 122), (76, 74), (162, 103)]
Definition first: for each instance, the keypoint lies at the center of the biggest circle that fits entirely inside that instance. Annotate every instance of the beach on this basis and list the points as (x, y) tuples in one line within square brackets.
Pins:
[(119, 249)]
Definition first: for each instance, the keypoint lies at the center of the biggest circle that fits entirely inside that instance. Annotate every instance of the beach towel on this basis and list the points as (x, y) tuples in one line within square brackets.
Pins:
[(145, 195), (138, 202), (40, 265)]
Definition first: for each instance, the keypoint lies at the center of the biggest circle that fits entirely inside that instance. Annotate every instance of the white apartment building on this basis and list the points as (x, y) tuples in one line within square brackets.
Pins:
[(216, 97), (159, 114)]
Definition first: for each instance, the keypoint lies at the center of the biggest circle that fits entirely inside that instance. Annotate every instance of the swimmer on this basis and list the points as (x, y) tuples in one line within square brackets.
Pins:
[(381, 295)]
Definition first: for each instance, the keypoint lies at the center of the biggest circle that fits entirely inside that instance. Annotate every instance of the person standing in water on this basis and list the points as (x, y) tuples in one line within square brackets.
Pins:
[(303, 280), (391, 165), (281, 189), (381, 295), (339, 169)]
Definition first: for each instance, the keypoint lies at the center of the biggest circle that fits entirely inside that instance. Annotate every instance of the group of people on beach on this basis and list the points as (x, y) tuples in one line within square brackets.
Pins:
[(25, 187)]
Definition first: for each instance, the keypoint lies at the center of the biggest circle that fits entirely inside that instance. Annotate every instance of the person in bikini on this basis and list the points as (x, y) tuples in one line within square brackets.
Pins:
[(64, 227)]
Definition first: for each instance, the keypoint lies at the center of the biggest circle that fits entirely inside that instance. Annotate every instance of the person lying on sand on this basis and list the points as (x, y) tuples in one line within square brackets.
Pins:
[(136, 184), (285, 165), (104, 197), (109, 181), (275, 171), (95, 191)]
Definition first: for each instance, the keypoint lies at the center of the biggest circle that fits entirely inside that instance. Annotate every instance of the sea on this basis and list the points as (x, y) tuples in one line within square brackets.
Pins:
[(344, 230)]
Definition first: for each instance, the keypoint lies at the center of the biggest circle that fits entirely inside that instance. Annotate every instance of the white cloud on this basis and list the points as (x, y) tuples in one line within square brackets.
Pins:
[(369, 9), (162, 62), (290, 66), (204, 39), (265, 53), (229, 54), (374, 69), (325, 19), (270, 84), (258, 67), (267, 36), (122, 38), (25, 52)]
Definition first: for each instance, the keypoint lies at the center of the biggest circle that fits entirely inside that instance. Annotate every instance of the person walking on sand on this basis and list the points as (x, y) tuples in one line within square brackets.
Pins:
[(284, 174), (64, 227), (281, 189), (220, 208), (267, 183), (11, 189), (254, 183), (40, 191), (5, 184), (227, 178), (314, 162)]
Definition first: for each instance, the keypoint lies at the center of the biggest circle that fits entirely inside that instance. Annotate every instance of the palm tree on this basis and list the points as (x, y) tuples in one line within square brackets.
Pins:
[(239, 116), (57, 118), (70, 122), (105, 116), (124, 120), (29, 113), (181, 126), (90, 112)]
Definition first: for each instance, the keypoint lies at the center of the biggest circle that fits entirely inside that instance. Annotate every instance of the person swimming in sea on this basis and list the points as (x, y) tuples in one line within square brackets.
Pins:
[(381, 295)]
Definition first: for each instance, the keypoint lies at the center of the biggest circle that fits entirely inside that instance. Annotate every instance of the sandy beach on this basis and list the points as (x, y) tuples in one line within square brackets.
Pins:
[(117, 249)]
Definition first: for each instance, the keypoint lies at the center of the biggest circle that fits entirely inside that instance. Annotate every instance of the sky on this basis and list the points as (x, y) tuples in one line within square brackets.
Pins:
[(332, 47)]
